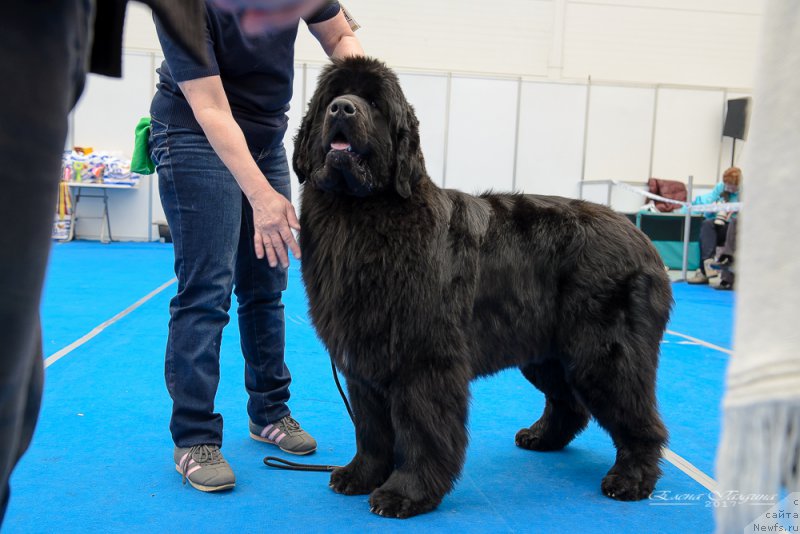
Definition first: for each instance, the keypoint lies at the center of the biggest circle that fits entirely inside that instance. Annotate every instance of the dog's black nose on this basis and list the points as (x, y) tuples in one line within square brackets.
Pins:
[(342, 108)]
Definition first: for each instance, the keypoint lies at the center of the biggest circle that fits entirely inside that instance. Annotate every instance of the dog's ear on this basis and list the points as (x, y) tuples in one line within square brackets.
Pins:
[(409, 162), (309, 131), (300, 158)]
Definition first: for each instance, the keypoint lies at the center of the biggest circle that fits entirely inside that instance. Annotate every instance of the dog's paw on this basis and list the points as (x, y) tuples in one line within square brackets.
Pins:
[(625, 487), (535, 440), (349, 481), (390, 503)]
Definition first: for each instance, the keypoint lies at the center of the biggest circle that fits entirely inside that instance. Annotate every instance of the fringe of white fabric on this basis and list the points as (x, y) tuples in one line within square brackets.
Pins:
[(759, 455)]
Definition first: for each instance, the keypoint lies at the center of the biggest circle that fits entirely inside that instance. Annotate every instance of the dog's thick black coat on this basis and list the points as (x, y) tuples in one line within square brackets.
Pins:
[(416, 290)]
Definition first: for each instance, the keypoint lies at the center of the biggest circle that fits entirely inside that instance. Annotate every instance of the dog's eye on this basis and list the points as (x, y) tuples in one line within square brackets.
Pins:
[(373, 104)]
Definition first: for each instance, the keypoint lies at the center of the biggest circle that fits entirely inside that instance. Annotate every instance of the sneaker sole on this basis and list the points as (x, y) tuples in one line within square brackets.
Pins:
[(207, 489), (265, 440)]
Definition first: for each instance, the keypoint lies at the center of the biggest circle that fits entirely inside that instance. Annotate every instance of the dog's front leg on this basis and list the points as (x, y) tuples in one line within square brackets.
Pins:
[(429, 413), (373, 462)]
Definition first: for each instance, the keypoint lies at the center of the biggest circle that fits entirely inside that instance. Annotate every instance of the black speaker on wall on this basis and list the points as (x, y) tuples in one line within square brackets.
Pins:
[(736, 122), (736, 118)]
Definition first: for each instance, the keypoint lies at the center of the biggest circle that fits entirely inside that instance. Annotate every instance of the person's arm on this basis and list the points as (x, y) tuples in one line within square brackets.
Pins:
[(336, 37), (712, 196), (273, 214)]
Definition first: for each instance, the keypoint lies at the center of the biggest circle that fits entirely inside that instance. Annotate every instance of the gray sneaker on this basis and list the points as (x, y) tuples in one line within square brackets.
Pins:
[(286, 434), (204, 467)]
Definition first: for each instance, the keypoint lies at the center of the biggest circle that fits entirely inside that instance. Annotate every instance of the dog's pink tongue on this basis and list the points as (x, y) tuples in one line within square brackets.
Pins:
[(340, 145)]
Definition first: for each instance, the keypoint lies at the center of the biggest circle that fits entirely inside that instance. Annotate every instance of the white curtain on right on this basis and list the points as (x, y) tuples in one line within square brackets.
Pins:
[(761, 429)]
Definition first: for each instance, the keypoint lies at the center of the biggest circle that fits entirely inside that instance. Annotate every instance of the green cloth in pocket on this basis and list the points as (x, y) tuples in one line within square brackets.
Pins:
[(140, 161)]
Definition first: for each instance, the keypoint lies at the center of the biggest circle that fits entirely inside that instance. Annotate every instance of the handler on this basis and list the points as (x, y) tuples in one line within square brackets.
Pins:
[(217, 141)]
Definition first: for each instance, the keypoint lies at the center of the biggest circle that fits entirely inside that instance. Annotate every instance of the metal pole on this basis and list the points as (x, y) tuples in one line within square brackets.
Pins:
[(687, 224), (586, 127), (446, 147), (722, 129), (516, 135), (653, 132)]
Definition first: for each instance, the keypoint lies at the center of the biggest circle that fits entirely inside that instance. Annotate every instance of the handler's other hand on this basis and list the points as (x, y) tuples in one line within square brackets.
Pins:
[(273, 220)]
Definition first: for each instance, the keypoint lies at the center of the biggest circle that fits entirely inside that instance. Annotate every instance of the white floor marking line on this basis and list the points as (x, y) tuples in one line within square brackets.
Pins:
[(678, 461), (684, 465), (50, 360), (701, 342)]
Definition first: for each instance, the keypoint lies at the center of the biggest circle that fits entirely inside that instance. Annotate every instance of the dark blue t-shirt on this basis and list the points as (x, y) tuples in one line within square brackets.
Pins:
[(257, 74)]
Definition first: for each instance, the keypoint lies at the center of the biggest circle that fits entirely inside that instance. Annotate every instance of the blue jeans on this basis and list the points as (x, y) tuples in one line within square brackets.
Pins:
[(211, 223)]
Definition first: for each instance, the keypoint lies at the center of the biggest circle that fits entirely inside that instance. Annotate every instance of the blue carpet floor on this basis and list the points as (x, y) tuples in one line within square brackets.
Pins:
[(101, 460)]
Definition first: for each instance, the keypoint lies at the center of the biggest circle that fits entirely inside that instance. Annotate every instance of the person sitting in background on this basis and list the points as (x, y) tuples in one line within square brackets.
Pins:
[(726, 257), (715, 229)]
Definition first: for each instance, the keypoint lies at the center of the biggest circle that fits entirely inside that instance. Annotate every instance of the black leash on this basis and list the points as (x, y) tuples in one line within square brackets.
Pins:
[(280, 463)]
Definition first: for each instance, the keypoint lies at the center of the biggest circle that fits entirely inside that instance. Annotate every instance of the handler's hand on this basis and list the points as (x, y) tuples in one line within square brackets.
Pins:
[(273, 219)]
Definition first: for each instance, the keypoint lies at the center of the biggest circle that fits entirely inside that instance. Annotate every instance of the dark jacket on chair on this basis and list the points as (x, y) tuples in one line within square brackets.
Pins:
[(668, 189)]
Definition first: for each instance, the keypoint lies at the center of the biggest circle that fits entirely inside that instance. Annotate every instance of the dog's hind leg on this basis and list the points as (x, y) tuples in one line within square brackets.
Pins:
[(617, 385), (374, 459), (429, 414), (564, 416)]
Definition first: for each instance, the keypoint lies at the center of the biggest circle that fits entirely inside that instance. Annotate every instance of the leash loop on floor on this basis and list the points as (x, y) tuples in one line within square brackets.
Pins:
[(280, 463)]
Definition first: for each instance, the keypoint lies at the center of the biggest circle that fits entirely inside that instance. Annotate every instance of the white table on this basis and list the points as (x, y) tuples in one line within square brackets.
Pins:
[(102, 188)]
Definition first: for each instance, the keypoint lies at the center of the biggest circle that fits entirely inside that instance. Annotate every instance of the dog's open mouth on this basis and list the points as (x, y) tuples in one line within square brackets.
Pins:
[(340, 143)]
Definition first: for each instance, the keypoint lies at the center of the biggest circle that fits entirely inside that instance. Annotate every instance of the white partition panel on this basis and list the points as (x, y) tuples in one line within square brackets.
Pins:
[(619, 134), (687, 137), (107, 114), (626, 201), (105, 119), (549, 158), (428, 95), (482, 128), (312, 73)]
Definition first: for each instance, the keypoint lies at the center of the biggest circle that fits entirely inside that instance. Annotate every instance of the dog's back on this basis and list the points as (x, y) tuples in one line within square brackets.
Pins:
[(548, 264)]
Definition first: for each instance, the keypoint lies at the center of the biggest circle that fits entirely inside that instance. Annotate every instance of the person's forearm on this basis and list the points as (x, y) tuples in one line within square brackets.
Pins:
[(346, 47), (228, 142)]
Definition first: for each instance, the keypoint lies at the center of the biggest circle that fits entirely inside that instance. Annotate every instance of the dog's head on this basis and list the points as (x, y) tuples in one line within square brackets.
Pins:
[(360, 136)]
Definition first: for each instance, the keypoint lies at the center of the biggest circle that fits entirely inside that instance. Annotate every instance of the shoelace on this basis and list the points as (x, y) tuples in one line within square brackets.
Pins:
[(289, 425), (203, 455)]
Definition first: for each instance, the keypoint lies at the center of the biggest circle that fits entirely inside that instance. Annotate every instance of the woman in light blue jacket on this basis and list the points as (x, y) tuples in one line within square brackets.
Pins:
[(719, 228)]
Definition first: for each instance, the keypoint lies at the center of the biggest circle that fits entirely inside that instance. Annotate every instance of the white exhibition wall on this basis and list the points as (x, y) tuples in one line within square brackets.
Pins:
[(481, 133), (551, 133), (689, 42), (478, 133)]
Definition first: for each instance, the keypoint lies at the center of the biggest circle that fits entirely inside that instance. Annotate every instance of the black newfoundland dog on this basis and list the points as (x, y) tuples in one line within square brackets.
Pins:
[(416, 290)]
